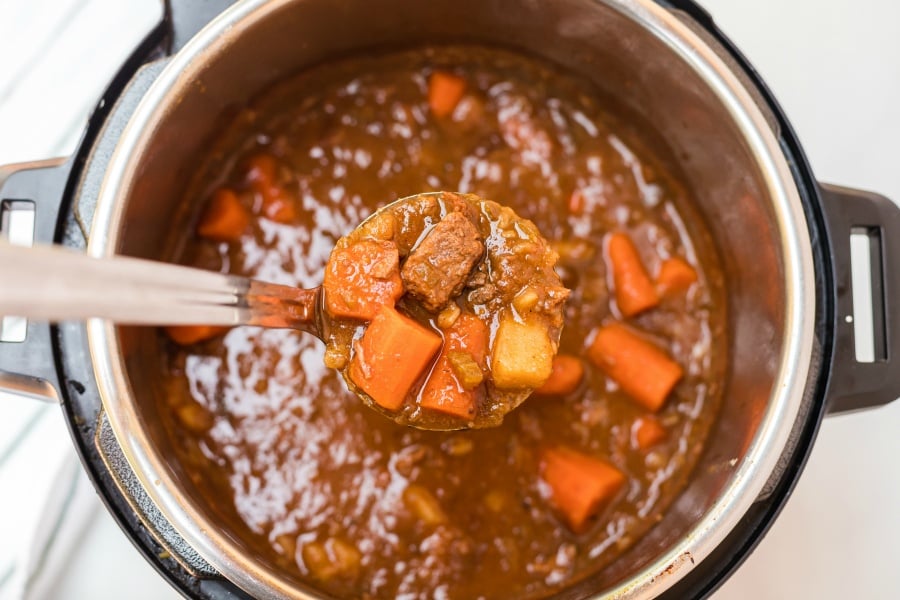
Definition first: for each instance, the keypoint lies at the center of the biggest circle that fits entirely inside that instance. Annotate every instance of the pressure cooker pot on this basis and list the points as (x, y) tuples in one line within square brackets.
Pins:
[(782, 237)]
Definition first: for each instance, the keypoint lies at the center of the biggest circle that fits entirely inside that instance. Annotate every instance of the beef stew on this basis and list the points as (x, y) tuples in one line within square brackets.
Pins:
[(356, 506)]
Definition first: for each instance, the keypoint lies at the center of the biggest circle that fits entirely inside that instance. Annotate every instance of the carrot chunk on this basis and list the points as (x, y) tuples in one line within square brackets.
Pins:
[(443, 391), (635, 292), (445, 90), (469, 334), (262, 175), (647, 432), (278, 206), (185, 335), (262, 168), (576, 203), (565, 376), (390, 357), (675, 276), (224, 219), (361, 278), (641, 369), (579, 484)]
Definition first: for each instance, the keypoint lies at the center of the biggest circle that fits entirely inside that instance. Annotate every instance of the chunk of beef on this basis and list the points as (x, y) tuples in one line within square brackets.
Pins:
[(438, 268), (483, 294), (454, 202), (478, 278)]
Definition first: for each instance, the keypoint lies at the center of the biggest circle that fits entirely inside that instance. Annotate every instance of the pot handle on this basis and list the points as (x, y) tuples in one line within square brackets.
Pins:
[(31, 195), (874, 223)]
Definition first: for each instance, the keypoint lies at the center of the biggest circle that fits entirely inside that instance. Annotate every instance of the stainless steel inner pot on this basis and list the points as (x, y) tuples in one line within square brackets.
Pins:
[(642, 55)]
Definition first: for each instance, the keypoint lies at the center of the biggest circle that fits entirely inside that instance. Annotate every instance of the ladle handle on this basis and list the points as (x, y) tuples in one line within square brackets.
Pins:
[(31, 197), (55, 284)]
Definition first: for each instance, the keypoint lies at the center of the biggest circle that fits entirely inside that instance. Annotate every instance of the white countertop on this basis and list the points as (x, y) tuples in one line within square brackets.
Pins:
[(835, 67)]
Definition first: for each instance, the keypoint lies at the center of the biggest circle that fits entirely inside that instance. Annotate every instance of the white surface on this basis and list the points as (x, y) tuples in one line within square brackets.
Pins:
[(55, 58), (835, 67)]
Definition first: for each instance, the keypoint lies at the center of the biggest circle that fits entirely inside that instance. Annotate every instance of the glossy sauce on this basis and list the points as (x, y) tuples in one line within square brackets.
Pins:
[(304, 469)]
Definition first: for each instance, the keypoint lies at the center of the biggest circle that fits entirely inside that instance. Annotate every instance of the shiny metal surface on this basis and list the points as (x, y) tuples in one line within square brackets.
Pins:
[(638, 53), (55, 284)]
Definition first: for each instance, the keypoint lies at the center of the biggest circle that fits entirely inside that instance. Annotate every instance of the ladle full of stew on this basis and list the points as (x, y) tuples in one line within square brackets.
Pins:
[(441, 310)]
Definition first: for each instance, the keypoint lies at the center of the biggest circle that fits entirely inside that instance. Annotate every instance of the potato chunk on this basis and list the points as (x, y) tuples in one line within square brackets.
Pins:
[(333, 559), (422, 503), (522, 355)]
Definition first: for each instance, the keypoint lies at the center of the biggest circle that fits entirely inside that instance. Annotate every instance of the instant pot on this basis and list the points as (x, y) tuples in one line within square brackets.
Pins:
[(783, 237)]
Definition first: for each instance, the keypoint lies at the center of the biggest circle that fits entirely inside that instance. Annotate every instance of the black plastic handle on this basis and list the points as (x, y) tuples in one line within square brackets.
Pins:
[(28, 367), (855, 385)]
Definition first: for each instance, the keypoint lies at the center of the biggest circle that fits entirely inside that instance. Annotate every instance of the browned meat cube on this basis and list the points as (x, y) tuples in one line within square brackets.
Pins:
[(437, 269), (454, 202)]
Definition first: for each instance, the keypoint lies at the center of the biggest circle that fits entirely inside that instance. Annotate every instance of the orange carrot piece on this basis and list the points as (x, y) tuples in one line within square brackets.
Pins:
[(469, 334), (262, 175), (576, 203), (278, 206), (642, 370), (579, 484), (185, 335), (675, 276), (262, 168), (443, 391), (361, 278), (635, 292), (390, 357), (565, 376), (445, 90), (647, 432), (224, 219)]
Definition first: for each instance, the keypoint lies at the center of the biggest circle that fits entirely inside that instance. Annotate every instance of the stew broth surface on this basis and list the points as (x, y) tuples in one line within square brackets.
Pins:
[(358, 506)]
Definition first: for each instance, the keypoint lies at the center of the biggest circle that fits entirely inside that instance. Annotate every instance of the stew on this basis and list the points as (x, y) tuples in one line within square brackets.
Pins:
[(354, 505), (481, 302)]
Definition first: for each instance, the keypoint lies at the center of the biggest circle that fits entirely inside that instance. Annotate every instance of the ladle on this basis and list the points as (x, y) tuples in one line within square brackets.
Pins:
[(55, 284)]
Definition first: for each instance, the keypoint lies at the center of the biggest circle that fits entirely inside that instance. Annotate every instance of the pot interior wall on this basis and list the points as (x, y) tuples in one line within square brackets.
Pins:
[(586, 36)]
